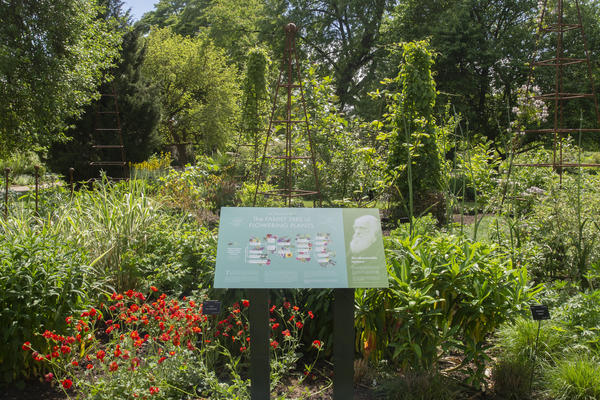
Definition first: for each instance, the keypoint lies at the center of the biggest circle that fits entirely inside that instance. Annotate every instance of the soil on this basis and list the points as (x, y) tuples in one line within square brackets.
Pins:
[(37, 390), (31, 390)]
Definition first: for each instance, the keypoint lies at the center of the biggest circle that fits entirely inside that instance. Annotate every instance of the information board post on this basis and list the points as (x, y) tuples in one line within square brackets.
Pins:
[(343, 347), (260, 373)]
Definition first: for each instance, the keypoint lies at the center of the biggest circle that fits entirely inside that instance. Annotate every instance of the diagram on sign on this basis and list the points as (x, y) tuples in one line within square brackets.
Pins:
[(302, 248)]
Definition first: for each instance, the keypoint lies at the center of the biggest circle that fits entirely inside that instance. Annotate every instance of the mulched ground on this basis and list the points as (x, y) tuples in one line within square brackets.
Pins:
[(31, 390), (36, 390)]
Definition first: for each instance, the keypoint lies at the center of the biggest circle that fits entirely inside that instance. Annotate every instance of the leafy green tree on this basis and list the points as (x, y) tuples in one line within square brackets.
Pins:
[(197, 90), (53, 55), (483, 47), (344, 37), (232, 25), (185, 17), (235, 26), (139, 113)]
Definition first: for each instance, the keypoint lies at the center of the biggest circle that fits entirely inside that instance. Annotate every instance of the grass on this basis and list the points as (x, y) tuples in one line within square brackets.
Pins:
[(577, 378)]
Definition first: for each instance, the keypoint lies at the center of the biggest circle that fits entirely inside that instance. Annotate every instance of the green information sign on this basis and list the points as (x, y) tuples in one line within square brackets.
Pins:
[(300, 248)]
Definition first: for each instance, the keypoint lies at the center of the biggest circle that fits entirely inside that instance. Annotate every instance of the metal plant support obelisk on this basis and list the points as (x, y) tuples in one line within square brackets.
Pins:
[(108, 137), (559, 96), (290, 71)]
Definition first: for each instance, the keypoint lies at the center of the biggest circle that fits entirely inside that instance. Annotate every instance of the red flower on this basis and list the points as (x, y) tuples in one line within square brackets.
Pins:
[(74, 363), (296, 308), (286, 304), (89, 366), (311, 315), (286, 332), (26, 346), (69, 319), (246, 303), (154, 288), (154, 389), (113, 366), (275, 326), (67, 383), (160, 360), (274, 344), (272, 308), (317, 344), (299, 325), (100, 355), (48, 377), (242, 349)]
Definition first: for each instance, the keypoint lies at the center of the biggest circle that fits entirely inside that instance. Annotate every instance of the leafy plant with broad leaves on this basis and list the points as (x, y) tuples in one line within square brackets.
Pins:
[(43, 278), (445, 293)]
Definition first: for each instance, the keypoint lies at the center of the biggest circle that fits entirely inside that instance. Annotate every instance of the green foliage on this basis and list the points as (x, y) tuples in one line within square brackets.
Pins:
[(137, 344), (347, 37), (22, 163), (479, 163), (571, 332), (254, 109), (201, 189), (175, 255), (53, 56), (196, 88), (575, 379), (445, 292), (511, 378), (419, 386), (139, 112), (414, 164), (43, 278), (349, 166), (559, 238), (244, 196), (235, 27), (579, 318), (483, 49)]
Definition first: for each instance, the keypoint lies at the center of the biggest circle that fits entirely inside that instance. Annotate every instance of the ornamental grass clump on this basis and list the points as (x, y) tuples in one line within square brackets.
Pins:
[(140, 345)]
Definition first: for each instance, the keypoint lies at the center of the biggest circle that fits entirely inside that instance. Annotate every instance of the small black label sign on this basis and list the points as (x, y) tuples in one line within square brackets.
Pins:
[(211, 307), (539, 312)]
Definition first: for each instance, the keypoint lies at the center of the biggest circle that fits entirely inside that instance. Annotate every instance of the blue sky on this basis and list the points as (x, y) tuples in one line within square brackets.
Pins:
[(139, 7)]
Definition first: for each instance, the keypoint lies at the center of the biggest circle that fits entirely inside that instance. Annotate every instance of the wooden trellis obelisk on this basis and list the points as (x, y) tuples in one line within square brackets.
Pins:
[(290, 117), (554, 23), (108, 138)]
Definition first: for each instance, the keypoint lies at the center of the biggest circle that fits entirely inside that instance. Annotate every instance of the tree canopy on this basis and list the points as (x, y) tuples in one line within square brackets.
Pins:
[(53, 55), (197, 89)]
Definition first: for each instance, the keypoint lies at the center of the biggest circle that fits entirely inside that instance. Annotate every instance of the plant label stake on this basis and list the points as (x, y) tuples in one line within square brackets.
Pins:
[(71, 170), (539, 312), (37, 187), (6, 173), (211, 307)]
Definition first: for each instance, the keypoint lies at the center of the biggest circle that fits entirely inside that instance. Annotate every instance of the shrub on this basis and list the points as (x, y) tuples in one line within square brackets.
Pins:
[(201, 189), (176, 254), (441, 288), (43, 278)]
